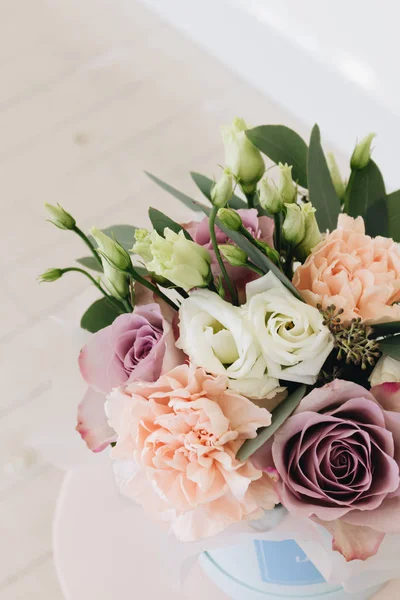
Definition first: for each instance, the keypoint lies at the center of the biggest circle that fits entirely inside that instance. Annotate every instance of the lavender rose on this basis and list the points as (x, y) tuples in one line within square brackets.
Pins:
[(136, 346), (338, 460)]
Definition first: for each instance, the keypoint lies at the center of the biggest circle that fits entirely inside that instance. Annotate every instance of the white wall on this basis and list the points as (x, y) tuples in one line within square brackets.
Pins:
[(331, 62)]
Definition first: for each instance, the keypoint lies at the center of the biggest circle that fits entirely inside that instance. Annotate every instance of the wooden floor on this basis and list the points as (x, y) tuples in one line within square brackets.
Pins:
[(91, 93)]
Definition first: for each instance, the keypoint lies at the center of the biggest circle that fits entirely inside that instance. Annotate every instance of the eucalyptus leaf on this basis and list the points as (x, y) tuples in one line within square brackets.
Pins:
[(205, 185), (284, 145), (393, 207), (383, 329), (124, 234), (90, 263), (322, 193), (186, 200), (279, 416), (366, 197), (391, 347), (99, 315), (160, 221)]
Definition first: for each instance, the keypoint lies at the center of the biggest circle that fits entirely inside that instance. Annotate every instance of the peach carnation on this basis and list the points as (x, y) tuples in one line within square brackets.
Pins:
[(354, 272), (177, 440)]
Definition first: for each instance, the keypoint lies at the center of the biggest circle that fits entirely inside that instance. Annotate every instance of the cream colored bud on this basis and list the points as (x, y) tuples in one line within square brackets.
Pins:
[(270, 198), (59, 217), (362, 152), (293, 228), (222, 191), (286, 187)]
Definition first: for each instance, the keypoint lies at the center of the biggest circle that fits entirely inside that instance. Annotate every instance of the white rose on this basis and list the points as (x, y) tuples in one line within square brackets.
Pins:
[(386, 369), (293, 339), (215, 336)]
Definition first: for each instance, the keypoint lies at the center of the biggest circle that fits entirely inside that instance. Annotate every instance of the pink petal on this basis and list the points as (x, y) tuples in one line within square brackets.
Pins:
[(385, 518), (96, 363), (92, 422), (352, 541), (388, 395)]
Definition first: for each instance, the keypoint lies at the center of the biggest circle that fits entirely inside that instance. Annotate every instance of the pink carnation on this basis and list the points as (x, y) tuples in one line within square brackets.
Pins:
[(353, 271), (176, 448)]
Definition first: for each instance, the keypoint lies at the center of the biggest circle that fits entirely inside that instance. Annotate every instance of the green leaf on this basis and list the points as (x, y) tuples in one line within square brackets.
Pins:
[(99, 315), (366, 197), (186, 200), (279, 416), (391, 347), (389, 328), (90, 263), (160, 221), (284, 145), (205, 185), (393, 208), (321, 190), (124, 234)]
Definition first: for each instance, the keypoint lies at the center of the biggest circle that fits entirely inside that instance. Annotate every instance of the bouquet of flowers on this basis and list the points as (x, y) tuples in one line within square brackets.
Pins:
[(251, 357)]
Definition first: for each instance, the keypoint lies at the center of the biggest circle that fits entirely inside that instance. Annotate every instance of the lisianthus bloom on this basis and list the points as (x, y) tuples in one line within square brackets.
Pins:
[(185, 263), (338, 460), (387, 369), (136, 346), (354, 272), (261, 228), (176, 448), (294, 341), (215, 336)]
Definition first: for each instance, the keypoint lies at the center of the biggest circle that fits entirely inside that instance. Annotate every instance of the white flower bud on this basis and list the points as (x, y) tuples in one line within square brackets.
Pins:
[(59, 217), (286, 187), (270, 198), (336, 177), (293, 228), (241, 157), (362, 152), (222, 191)]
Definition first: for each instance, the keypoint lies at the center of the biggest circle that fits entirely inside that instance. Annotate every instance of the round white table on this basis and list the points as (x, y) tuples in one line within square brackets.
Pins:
[(105, 547)]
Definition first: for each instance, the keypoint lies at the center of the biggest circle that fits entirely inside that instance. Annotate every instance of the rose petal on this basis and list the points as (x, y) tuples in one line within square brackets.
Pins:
[(92, 421), (388, 396), (353, 542)]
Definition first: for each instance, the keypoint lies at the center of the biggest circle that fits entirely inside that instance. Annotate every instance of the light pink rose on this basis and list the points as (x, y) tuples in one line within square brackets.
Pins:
[(353, 271), (262, 228), (137, 345), (176, 449), (338, 459)]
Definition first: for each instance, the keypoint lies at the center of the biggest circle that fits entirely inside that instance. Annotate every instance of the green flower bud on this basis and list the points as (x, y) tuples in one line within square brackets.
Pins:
[(50, 275), (241, 157), (59, 217), (233, 255), (116, 261), (293, 227), (312, 236), (362, 152), (230, 218), (270, 252), (270, 198), (222, 191), (177, 259), (143, 244), (287, 188), (336, 177)]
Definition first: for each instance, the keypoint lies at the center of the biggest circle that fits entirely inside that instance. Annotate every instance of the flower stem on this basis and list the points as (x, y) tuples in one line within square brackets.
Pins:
[(113, 301), (253, 268), (251, 199), (135, 275), (231, 287), (277, 231), (89, 244)]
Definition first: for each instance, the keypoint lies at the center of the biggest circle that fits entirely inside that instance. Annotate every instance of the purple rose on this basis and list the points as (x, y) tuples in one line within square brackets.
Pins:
[(338, 460), (136, 346), (262, 228)]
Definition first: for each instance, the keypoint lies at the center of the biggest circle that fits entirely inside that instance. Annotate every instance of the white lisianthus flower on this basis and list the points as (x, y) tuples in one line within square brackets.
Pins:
[(215, 336), (291, 334), (174, 257), (387, 369)]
